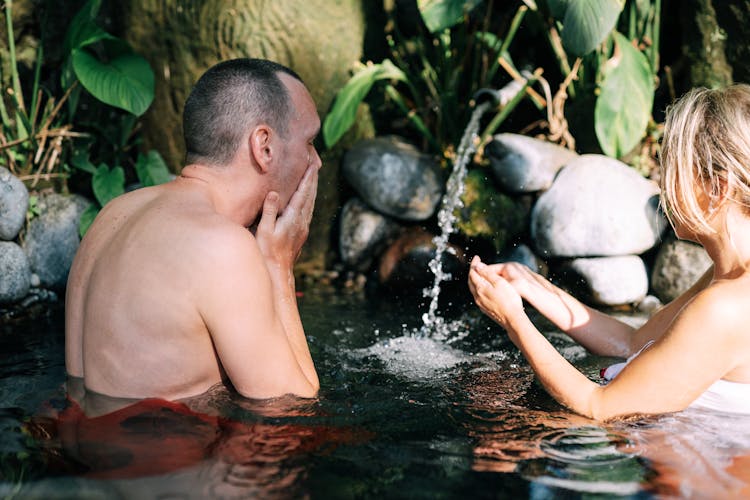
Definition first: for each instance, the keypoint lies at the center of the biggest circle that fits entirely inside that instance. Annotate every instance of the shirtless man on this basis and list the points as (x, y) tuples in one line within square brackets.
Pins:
[(170, 293)]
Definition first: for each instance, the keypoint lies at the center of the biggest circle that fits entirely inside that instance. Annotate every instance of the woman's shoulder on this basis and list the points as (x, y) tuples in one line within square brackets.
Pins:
[(722, 307)]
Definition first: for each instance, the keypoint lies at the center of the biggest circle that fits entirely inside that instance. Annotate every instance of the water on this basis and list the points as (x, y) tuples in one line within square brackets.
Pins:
[(397, 417), (434, 325)]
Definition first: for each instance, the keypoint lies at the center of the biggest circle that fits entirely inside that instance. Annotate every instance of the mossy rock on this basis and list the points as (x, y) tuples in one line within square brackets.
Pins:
[(489, 214)]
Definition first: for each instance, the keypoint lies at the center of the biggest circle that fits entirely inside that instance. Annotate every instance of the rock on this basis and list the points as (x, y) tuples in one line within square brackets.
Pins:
[(52, 238), (677, 266), (394, 178), (525, 164), (362, 234), (15, 274), (597, 206), (14, 201), (404, 266), (489, 214), (607, 281), (524, 255), (649, 305)]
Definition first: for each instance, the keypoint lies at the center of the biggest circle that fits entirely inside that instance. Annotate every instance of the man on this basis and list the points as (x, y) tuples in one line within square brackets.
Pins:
[(170, 293)]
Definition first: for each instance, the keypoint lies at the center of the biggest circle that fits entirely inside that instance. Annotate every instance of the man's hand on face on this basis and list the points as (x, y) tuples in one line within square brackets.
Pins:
[(281, 237)]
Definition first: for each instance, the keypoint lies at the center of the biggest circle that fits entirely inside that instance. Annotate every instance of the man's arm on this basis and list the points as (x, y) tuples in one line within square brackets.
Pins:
[(280, 239), (239, 304)]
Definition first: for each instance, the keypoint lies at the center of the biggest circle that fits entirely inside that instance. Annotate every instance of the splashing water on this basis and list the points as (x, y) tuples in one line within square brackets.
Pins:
[(434, 325)]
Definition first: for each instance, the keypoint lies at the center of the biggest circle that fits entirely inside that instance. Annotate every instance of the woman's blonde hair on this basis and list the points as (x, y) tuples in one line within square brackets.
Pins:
[(706, 146)]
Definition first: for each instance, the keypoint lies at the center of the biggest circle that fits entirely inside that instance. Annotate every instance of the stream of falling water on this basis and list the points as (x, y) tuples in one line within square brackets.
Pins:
[(434, 325)]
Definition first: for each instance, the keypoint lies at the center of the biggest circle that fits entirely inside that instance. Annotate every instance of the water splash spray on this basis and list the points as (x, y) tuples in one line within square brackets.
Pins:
[(434, 325)]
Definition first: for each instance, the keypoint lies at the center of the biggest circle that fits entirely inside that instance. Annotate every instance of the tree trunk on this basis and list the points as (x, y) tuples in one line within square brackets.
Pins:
[(319, 39)]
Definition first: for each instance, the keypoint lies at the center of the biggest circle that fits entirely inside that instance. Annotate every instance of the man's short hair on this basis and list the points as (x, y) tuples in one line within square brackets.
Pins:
[(227, 101)]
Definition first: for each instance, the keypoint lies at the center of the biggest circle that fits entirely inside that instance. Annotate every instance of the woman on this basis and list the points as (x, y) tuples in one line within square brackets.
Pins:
[(694, 351)]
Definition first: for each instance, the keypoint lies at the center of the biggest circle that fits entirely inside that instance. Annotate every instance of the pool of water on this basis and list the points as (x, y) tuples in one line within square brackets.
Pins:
[(399, 416)]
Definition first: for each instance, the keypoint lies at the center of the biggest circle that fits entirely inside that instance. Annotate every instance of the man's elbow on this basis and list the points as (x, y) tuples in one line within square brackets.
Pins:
[(301, 390)]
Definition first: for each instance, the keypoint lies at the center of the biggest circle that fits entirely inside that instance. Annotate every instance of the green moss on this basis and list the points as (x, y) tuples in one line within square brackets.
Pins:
[(487, 213)]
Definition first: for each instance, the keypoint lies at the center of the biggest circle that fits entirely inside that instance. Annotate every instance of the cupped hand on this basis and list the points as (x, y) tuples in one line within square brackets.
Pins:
[(494, 294), (281, 237)]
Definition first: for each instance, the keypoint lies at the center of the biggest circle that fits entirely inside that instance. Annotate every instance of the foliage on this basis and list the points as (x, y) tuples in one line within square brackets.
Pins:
[(33, 134), (109, 183), (615, 69), (38, 141), (105, 65), (432, 75)]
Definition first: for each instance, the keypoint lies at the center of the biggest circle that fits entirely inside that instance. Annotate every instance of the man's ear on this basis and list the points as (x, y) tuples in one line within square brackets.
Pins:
[(260, 146)]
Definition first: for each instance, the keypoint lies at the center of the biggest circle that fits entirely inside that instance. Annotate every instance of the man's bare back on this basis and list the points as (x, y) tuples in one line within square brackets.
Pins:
[(170, 293), (132, 304)]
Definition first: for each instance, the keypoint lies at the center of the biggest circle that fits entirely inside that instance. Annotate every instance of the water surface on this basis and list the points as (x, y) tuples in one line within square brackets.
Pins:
[(400, 415)]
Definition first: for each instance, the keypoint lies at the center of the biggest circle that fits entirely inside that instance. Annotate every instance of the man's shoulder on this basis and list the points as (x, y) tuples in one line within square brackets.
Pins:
[(223, 241)]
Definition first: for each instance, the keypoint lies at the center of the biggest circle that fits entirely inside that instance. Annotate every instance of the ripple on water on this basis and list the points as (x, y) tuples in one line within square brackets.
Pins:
[(588, 460)]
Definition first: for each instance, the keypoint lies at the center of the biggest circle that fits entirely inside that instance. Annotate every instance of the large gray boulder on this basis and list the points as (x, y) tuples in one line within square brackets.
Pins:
[(363, 233), (394, 178), (606, 281), (597, 206), (525, 164), (15, 274), (14, 201), (52, 238), (677, 266)]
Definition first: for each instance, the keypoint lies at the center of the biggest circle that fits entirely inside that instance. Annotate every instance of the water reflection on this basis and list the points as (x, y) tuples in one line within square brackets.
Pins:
[(263, 451)]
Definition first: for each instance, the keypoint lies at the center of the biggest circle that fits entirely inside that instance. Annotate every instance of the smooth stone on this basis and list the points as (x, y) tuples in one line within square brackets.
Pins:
[(523, 164), (14, 202), (677, 266), (52, 238), (606, 281), (597, 206), (394, 178), (404, 266), (363, 233), (15, 273), (522, 254)]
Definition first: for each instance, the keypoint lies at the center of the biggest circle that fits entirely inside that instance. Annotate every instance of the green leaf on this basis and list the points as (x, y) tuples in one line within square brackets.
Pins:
[(442, 14), (557, 8), (83, 30), (624, 105), (126, 81), (87, 218), (151, 169), (587, 23), (80, 160), (108, 184), (344, 111)]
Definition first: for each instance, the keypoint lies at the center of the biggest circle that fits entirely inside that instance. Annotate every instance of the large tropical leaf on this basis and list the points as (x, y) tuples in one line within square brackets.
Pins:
[(441, 14), (624, 105), (126, 81), (83, 30), (108, 183), (558, 7), (151, 169), (587, 23), (344, 111)]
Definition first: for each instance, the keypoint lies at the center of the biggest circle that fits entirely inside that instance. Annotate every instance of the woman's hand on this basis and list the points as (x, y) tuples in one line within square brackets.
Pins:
[(495, 295)]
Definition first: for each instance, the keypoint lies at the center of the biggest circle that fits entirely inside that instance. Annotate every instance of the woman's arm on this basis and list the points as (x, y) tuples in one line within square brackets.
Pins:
[(666, 377), (598, 332)]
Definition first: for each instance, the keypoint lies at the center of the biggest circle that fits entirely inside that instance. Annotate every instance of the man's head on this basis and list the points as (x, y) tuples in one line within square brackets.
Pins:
[(228, 100)]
